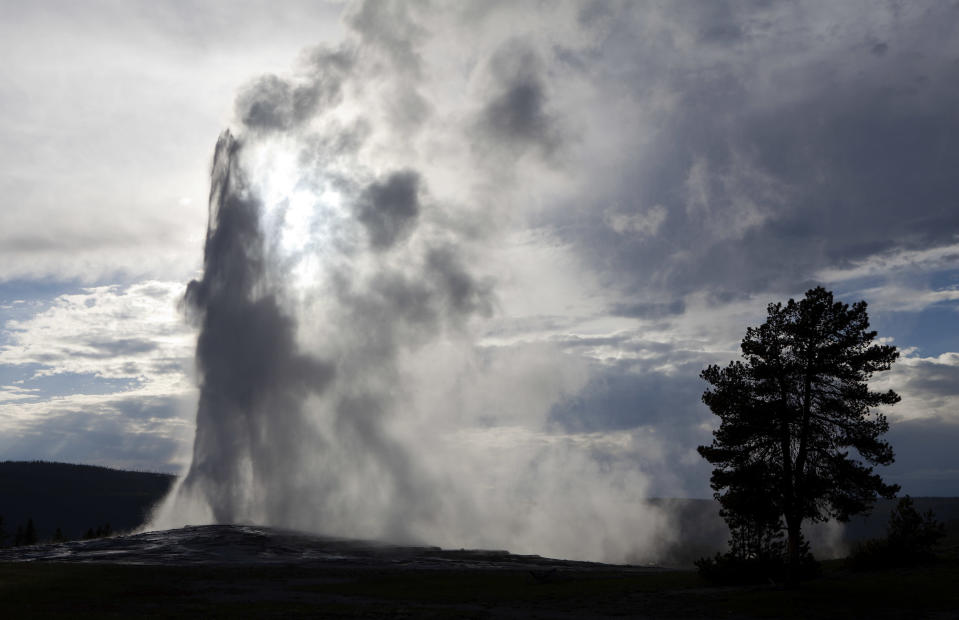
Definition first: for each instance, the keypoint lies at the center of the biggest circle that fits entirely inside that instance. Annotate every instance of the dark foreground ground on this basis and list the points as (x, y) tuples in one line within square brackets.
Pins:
[(231, 571)]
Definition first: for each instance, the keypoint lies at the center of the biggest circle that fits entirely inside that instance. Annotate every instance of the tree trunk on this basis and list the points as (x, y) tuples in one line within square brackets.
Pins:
[(792, 567), (794, 520)]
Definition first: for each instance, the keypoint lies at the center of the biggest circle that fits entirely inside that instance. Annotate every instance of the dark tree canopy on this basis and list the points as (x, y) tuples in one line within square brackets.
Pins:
[(799, 430)]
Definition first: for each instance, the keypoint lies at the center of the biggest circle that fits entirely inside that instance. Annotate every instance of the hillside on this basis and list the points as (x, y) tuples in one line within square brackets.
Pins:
[(76, 498)]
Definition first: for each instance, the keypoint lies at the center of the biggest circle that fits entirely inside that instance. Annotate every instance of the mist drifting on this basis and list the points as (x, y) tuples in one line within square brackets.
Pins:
[(352, 269)]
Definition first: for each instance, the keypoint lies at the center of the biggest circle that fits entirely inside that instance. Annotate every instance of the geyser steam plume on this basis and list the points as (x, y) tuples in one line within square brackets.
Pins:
[(350, 266), (252, 379)]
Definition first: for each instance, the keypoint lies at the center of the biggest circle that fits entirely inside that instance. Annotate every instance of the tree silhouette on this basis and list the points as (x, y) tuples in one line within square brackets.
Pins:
[(30, 533), (910, 539), (755, 525), (911, 534), (790, 411)]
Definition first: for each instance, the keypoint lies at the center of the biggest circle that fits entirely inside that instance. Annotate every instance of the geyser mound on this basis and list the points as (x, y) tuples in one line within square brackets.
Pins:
[(247, 545)]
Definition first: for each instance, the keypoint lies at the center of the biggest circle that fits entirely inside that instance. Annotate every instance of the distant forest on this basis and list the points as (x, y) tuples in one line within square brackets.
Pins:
[(61, 501)]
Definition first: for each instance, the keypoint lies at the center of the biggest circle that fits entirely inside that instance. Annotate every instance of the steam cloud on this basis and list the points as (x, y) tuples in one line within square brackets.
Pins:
[(349, 269)]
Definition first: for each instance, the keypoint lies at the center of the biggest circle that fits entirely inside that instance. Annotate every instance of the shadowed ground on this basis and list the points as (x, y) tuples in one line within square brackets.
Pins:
[(243, 571)]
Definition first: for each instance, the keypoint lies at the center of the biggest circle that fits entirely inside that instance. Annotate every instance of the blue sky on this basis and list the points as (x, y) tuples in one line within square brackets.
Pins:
[(633, 182)]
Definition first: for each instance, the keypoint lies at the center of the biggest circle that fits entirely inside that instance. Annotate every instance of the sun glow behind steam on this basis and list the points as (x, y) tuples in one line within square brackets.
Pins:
[(304, 215)]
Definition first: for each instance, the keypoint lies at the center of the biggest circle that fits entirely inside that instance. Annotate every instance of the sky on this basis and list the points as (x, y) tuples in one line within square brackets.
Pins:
[(611, 192)]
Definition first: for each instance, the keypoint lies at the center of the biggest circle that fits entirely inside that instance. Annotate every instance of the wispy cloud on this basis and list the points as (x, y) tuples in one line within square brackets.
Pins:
[(98, 375)]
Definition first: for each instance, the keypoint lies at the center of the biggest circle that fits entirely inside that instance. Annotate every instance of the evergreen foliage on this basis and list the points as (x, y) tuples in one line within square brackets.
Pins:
[(731, 568), (799, 429), (910, 539)]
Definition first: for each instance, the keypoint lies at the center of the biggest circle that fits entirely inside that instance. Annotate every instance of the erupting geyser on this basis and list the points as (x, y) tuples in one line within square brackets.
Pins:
[(348, 273), (252, 378), (284, 437)]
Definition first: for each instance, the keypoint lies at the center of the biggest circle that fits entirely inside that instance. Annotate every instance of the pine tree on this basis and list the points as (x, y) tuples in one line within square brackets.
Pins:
[(789, 413), (30, 534), (912, 534)]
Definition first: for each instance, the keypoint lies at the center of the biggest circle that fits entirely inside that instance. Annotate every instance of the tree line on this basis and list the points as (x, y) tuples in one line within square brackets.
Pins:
[(26, 534)]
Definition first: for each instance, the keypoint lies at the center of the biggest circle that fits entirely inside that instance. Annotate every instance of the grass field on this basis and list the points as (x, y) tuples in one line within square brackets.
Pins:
[(51, 590)]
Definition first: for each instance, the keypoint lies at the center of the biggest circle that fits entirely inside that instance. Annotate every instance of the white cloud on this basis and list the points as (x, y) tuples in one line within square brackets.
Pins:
[(135, 430), (12, 393), (645, 224), (115, 332), (132, 351), (730, 200), (903, 297), (895, 262), (108, 115), (929, 386)]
